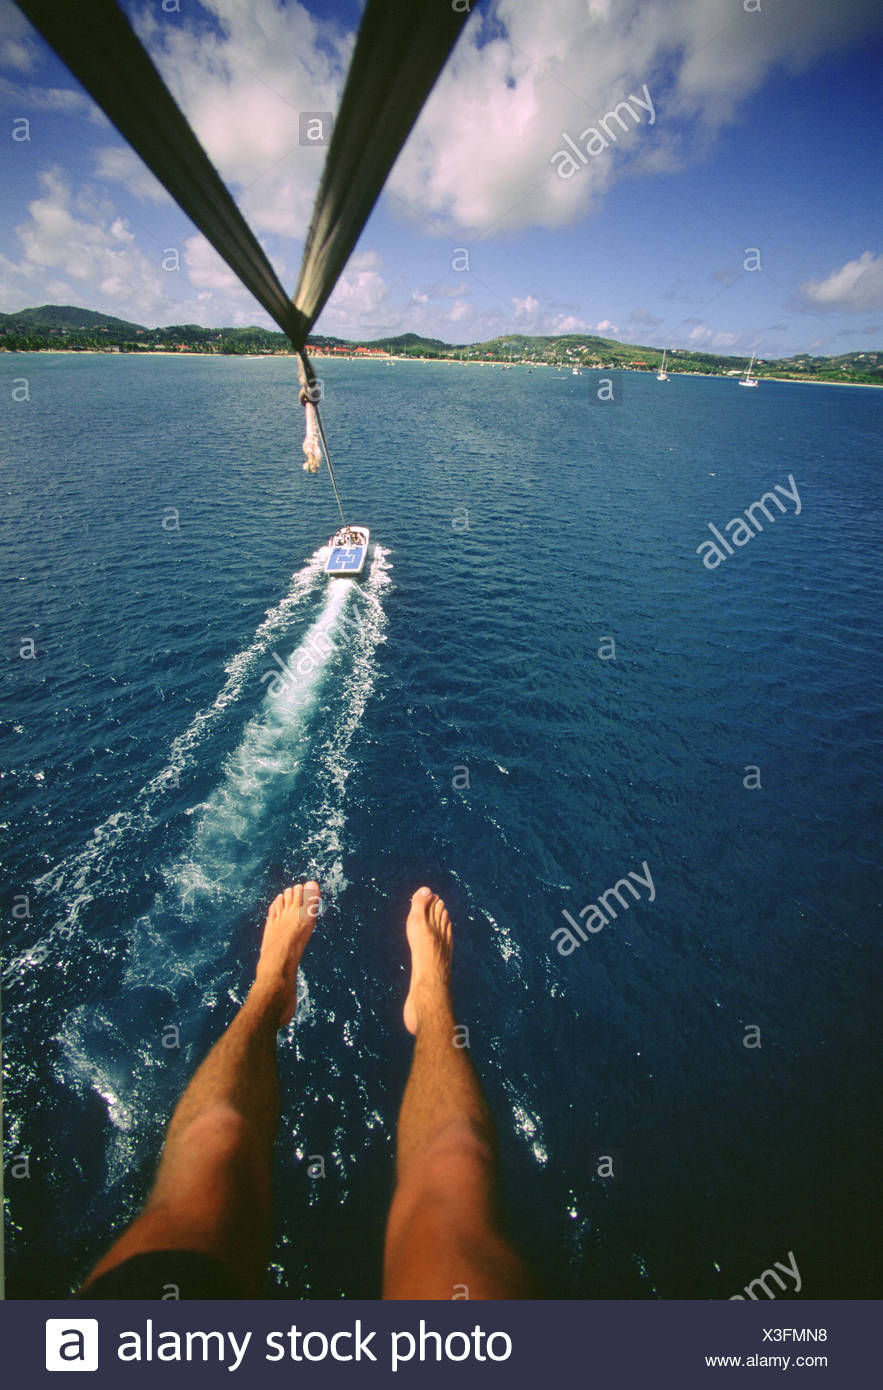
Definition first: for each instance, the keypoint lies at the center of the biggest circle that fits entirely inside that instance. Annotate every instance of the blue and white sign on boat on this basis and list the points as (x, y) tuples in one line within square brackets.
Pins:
[(348, 551)]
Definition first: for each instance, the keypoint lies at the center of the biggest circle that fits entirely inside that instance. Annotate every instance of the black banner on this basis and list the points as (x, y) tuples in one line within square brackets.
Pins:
[(274, 1344)]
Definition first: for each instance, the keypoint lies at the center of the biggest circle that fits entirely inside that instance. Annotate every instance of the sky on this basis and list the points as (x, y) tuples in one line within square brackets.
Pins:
[(681, 173)]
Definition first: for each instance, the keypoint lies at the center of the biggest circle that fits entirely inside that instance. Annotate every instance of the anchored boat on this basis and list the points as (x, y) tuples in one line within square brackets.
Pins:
[(748, 379)]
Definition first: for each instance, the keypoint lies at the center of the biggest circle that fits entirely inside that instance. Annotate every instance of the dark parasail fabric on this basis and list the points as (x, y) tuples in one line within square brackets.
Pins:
[(401, 48)]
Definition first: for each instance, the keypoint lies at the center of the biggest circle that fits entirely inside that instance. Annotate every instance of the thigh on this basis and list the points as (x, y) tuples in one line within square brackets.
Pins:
[(210, 1196)]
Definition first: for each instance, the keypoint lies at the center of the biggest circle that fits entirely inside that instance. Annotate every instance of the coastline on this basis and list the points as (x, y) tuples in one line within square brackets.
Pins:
[(454, 361)]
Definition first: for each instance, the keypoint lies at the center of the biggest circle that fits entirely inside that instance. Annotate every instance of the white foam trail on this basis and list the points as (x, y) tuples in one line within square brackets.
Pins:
[(323, 846), (226, 851), (279, 739), (239, 668), (83, 873)]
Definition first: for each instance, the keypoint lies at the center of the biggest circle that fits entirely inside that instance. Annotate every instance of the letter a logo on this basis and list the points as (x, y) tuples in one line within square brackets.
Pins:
[(72, 1344)]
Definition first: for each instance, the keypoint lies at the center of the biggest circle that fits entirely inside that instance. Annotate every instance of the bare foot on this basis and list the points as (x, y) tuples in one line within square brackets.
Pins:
[(429, 935), (288, 928)]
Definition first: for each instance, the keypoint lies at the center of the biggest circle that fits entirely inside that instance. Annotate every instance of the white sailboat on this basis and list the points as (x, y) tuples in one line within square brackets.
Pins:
[(662, 374), (748, 379)]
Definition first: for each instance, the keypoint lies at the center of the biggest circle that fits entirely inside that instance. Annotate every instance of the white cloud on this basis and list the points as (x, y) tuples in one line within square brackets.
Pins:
[(716, 340), (67, 232), (206, 269), (855, 288), (243, 87), (526, 308), (522, 76), (19, 46), (544, 318), (77, 247), (120, 164), (25, 98), (361, 304), (220, 296), (567, 323)]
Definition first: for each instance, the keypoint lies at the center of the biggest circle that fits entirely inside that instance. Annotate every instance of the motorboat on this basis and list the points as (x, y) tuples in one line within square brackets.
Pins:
[(347, 552)]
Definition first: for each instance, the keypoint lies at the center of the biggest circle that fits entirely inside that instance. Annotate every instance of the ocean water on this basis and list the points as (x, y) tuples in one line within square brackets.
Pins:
[(537, 690)]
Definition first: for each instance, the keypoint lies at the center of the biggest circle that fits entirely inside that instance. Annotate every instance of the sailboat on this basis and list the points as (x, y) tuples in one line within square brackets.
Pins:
[(662, 374), (748, 379)]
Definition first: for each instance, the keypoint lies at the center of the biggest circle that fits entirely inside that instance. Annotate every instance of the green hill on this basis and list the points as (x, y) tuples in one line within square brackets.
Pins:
[(408, 342), (66, 316)]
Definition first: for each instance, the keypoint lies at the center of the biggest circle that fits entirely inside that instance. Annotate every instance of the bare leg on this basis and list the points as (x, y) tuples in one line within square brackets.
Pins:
[(444, 1232), (212, 1189)]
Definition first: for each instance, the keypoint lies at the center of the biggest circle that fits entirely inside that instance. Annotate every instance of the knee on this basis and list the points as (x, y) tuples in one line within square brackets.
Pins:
[(219, 1133), (459, 1160), (215, 1153), (206, 1165)]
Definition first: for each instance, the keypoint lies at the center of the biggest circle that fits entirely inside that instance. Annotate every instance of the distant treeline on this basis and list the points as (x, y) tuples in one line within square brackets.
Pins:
[(54, 328)]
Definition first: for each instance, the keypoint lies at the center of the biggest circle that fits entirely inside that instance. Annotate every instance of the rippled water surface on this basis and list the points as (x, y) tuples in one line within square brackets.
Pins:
[(537, 690)]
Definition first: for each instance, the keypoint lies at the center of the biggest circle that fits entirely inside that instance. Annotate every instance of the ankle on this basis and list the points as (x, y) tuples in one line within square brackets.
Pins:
[(266, 1001), (433, 1006)]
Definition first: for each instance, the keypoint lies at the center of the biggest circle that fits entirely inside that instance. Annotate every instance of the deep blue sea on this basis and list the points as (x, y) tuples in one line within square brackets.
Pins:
[(537, 689)]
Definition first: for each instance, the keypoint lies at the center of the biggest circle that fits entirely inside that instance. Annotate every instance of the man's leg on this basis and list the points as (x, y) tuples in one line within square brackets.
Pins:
[(212, 1189), (444, 1230)]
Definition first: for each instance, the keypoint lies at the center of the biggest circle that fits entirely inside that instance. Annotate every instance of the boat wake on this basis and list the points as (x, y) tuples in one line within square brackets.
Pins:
[(312, 706), (266, 763)]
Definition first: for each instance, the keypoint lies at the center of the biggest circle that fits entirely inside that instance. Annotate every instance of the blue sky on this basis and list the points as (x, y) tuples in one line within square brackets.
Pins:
[(734, 204)]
